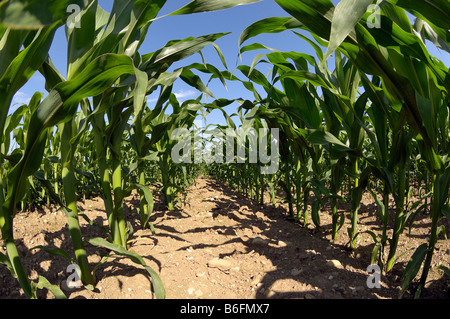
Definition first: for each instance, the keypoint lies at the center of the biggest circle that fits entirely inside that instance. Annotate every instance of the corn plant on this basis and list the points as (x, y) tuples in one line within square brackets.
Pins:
[(103, 67), (17, 67), (407, 89)]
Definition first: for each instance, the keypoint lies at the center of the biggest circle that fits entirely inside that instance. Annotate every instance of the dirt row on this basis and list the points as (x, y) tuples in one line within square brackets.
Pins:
[(222, 245)]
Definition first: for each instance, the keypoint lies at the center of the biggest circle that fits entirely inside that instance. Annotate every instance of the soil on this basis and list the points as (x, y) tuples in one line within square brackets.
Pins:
[(219, 244)]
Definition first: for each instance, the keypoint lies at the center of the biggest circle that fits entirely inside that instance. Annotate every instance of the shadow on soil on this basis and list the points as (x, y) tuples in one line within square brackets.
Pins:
[(305, 255), (298, 255)]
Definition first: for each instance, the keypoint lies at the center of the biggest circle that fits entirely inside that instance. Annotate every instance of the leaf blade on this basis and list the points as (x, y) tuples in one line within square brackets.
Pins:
[(198, 6), (345, 17)]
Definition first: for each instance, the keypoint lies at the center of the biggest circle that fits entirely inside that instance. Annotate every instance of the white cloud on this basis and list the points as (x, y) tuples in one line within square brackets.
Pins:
[(183, 94), (21, 98)]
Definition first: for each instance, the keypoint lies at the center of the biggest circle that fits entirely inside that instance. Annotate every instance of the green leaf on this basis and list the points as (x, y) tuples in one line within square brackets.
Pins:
[(220, 54), (316, 48), (139, 93), (437, 37), (51, 74), (413, 267), (380, 206), (346, 15), (315, 214), (156, 280), (5, 261), (177, 50), (13, 120), (443, 189), (269, 25), (435, 11), (60, 106), (302, 75), (81, 42), (22, 67), (316, 15), (34, 14), (445, 269), (377, 246), (197, 6), (324, 137), (122, 31), (255, 46), (195, 81), (54, 289), (301, 100), (446, 211), (148, 196)]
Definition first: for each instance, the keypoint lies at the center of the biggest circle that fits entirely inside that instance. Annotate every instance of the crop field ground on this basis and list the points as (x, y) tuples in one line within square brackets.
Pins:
[(220, 245)]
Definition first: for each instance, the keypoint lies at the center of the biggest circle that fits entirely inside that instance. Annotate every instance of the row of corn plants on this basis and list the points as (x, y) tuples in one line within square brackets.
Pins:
[(376, 120), (96, 113)]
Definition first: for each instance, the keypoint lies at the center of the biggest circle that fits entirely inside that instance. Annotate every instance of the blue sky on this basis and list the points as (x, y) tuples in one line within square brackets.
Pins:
[(233, 20)]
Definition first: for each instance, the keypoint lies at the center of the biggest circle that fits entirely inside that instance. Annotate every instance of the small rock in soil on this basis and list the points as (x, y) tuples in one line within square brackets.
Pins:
[(220, 263), (258, 241), (191, 290), (334, 263), (282, 243)]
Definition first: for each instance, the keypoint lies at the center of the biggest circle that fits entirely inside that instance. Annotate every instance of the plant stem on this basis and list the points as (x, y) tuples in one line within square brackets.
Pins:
[(120, 235), (355, 206), (435, 216), (16, 263), (144, 204), (11, 249), (68, 179), (105, 179), (399, 218), (335, 217)]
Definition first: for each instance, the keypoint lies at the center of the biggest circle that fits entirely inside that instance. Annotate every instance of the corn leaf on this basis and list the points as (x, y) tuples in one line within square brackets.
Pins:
[(58, 107), (43, 283), (445, 269), (435, 11), (198, 6), (157, 283), (413, 267), (315, 214), (302, 75), (23, 66), (346, 15), (324, 137), (35, 14), (269, 25), (315, 15), (6, 262), (177, 50), (195, 81), (148, 196)]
